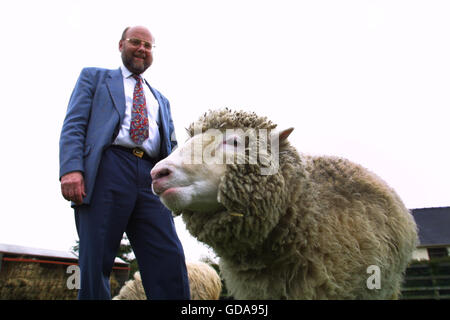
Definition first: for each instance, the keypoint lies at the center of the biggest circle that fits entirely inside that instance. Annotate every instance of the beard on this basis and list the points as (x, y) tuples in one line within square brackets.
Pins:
[(135, 65)]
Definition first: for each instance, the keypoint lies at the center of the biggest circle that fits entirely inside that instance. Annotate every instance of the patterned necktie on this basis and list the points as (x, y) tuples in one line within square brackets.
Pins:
[(139, 118)]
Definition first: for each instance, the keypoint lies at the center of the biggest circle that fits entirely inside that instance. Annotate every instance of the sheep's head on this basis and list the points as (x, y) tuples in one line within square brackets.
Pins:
[(224, 180)]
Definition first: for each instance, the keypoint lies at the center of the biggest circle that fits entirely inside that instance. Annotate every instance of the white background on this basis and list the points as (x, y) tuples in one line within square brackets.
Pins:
[(366, 80)]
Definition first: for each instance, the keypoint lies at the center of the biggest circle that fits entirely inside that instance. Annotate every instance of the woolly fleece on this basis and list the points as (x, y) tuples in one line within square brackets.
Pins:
[(310, 231), (204, 283)]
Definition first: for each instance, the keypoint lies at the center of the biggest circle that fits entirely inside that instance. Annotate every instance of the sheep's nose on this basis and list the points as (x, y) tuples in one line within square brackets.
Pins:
[(159, 172)]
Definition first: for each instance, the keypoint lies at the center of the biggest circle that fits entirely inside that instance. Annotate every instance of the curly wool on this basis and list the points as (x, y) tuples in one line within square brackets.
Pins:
[(310, 231), (227, 119), (204, 283)]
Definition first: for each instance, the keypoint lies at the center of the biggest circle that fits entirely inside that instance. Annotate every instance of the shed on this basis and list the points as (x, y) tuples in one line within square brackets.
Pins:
[(434, 232), (33, 273)]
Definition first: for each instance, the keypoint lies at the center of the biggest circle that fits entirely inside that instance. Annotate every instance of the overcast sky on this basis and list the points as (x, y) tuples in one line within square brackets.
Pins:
[(365, 80)]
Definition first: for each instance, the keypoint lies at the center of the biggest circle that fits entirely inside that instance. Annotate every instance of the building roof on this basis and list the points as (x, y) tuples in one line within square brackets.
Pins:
[(433, 225), (28, 251)]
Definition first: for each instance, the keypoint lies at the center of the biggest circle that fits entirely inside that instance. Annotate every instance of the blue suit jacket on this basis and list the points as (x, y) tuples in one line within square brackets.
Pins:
[(95, 112)]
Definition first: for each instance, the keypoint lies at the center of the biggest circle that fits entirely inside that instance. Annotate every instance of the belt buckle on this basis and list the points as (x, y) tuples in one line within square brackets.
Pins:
[(138, 152)]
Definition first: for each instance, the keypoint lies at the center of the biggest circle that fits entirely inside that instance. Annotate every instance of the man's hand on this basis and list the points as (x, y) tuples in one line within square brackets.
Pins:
[(72, 187)]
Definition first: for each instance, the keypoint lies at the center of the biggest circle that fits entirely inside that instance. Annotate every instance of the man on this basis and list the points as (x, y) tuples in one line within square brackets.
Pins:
[(116, 128)]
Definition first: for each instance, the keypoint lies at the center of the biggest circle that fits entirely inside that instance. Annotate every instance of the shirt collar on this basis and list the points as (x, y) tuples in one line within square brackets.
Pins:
[(127, 73)]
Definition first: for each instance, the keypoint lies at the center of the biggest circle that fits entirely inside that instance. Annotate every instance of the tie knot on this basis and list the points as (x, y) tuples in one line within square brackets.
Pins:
[(137, 77)]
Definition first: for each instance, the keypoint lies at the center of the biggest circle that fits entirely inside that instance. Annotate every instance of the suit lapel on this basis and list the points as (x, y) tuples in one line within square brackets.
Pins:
[(114, 83), (162, 109), (162, 120)]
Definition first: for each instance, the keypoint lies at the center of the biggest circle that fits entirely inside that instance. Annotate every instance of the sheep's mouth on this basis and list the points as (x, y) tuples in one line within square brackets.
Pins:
[(162, 183), (157, 188), (166, 191), (163, 190)]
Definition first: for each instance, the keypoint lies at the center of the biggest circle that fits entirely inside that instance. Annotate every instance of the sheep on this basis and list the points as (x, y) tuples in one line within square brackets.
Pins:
[(204, 283), (285, 225)]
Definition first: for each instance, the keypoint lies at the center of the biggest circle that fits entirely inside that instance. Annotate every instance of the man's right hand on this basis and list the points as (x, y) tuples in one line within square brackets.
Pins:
[(72, 187)]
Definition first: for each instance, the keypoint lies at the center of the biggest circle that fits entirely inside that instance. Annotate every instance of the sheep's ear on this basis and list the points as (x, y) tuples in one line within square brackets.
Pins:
[(284, 134), (279, 136)]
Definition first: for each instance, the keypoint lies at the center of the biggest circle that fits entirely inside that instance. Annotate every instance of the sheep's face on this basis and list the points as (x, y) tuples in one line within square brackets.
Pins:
[(189, 178), (184, 181), (225, 183)]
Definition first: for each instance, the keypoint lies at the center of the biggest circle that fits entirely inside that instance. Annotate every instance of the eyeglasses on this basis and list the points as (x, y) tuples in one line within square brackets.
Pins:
[(137, 42)]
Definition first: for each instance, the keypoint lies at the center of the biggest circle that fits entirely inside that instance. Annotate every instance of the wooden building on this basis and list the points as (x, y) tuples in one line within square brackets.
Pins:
[(31, 273), (434, 232), (428, 277)]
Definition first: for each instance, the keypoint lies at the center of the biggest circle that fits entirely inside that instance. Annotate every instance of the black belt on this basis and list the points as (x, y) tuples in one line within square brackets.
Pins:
[(138, 152)]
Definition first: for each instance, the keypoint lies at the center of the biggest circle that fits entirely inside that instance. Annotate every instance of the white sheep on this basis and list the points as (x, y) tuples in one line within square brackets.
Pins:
[(204, 283), (285, 225)]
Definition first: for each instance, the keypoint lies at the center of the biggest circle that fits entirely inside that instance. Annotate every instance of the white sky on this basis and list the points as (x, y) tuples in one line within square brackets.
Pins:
[(366, 80)]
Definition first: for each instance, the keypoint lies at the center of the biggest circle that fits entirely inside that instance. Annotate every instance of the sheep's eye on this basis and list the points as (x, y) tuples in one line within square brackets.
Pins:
[(234, 142)]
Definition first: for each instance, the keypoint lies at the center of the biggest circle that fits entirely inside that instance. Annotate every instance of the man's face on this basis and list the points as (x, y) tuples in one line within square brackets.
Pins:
[(136, 57)]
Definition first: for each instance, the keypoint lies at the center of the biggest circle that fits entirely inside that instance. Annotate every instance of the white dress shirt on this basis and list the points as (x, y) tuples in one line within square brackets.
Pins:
[(151, 145)]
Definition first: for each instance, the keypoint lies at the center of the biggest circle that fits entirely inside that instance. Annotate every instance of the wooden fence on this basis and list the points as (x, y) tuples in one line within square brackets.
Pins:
[(427, 280)]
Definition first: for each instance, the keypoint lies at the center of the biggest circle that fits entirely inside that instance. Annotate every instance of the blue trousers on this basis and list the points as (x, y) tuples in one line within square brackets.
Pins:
[(122, 201)]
